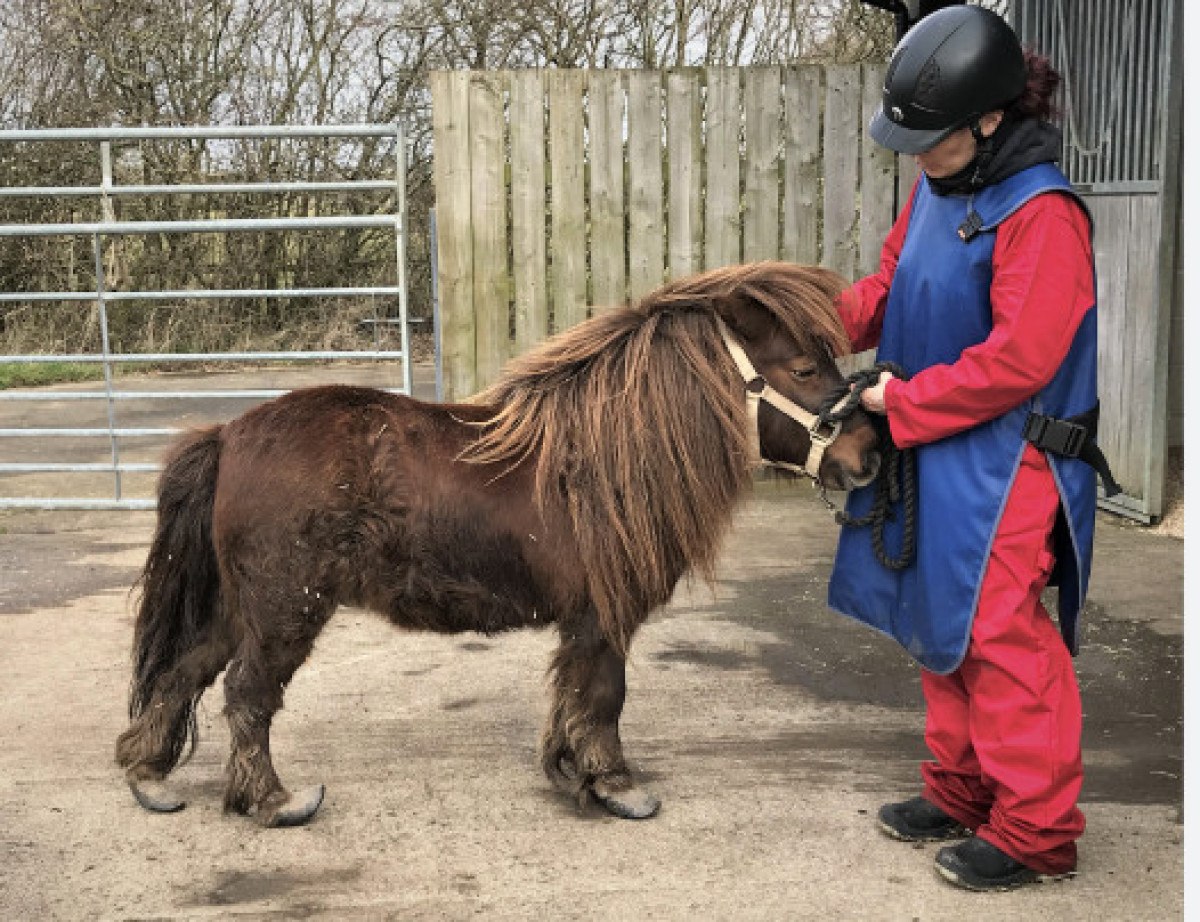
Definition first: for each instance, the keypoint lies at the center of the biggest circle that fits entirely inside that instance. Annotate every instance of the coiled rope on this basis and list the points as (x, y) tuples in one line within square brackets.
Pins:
[(897, 480)]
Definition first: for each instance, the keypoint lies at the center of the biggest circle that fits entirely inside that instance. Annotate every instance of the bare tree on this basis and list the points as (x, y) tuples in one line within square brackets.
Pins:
[(150, 62)]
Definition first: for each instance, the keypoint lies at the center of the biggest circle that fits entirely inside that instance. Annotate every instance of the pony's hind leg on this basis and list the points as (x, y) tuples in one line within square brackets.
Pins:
[(581, 748), (153, 744), (254, 686)]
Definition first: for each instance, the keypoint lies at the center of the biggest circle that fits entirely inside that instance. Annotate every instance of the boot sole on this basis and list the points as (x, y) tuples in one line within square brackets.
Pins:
[(998, 887), (954, 832)]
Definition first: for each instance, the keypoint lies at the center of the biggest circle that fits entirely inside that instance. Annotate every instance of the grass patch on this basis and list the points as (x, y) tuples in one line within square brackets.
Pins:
[(35, 374)]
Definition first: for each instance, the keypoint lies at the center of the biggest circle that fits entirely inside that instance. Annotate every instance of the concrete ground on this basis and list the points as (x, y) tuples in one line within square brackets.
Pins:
[(771, 728)]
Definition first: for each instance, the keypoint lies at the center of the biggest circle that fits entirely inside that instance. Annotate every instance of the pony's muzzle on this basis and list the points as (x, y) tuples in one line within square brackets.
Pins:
[(840, 476), (872, 463)]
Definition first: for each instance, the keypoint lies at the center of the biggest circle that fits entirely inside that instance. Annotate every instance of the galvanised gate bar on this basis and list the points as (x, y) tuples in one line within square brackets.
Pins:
[(112, 395)]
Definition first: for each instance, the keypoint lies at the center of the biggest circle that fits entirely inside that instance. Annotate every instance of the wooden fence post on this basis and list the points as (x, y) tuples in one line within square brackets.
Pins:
[(684, 215), (722, 155), (646, 225), (606, 184), (877, 188), (452, 175), (764, 145), (842, 118), (527, 130), (568, 237), (802, 98), (489, 225)]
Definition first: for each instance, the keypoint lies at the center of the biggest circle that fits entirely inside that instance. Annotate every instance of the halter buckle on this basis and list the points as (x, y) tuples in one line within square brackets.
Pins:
[(823, 433)]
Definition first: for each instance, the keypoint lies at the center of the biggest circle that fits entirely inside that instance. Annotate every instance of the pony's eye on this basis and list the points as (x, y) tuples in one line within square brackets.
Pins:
[(803, 373)]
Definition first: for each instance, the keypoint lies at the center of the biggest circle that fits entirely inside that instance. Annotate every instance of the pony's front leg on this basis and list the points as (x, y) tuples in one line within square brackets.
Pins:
[(582, 745)]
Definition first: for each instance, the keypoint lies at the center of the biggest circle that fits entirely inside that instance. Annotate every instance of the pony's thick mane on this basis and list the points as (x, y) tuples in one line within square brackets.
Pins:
[(636, 422)]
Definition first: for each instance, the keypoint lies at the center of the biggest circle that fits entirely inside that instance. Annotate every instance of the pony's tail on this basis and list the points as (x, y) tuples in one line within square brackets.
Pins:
[(178, 605)]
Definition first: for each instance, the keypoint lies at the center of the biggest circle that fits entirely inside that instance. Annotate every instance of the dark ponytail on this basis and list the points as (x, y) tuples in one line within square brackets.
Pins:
[(1041, 82)]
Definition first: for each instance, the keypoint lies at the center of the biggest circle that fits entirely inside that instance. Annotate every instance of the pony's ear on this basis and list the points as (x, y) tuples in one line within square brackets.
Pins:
[(751, 321)]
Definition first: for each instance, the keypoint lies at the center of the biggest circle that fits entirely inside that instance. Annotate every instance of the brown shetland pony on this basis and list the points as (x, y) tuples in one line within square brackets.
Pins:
[(576, 491)]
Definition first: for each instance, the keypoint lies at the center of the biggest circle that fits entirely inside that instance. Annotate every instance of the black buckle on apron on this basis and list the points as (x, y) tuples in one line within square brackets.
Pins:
[(1057, 435), (971, 226), (1072, 438)]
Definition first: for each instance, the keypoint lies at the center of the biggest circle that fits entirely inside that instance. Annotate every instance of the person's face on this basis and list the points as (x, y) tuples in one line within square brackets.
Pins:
[(955, 150)]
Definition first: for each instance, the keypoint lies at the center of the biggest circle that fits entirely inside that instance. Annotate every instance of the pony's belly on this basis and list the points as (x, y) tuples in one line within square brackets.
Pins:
[(486, 613), (478, 583)]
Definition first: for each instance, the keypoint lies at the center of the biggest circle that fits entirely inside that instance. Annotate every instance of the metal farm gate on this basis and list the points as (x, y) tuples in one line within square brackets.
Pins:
[(1122, 69), (123, 401)]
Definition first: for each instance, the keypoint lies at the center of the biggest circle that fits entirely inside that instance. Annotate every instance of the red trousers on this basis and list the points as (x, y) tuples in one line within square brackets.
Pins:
[(1004, 728)]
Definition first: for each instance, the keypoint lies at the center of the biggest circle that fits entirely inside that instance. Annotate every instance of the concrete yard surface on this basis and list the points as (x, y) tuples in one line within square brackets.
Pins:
[(771, 728)]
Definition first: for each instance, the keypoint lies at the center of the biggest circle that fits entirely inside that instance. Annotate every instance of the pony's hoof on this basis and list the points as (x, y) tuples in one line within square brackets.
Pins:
[(297, 810), (563, 775), (155, 797), (630, 804)]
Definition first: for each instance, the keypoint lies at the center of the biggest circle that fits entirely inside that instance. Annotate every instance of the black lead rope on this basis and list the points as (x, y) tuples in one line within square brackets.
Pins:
[(897, 480)]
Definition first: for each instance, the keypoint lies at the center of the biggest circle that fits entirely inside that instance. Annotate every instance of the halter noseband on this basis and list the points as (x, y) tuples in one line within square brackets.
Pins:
[(821, 431)]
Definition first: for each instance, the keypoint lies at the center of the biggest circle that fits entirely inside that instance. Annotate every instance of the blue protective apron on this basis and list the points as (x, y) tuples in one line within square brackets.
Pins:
[(939, 305)]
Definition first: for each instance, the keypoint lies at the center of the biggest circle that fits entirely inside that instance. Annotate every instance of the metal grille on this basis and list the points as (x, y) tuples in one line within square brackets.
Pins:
[(996, 6), (1112, 55), (115, 397)]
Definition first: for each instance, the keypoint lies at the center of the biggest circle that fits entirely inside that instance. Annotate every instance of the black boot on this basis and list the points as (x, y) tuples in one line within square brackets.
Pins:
[(978, 865), (918, 820)]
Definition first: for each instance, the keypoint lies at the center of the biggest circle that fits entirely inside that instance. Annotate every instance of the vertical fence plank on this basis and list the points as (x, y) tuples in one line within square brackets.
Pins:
[(568, 255), (722, 154), (1111, 214), (878, 186), (684, 215), (528, 143), (842, 118), (606, 159), (764, 145), (802, 164), (1140, 342), (646, 225), (877, 191), (452, 175), (489, 223)]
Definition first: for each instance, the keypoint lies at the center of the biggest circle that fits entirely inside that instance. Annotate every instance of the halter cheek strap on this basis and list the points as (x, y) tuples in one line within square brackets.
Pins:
[(821, 432)]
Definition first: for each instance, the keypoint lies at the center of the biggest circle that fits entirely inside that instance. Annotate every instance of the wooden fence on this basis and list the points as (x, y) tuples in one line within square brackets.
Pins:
[(560, 192)]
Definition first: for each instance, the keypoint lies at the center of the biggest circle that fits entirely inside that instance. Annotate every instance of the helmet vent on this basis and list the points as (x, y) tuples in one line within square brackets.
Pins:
[(927, 84)]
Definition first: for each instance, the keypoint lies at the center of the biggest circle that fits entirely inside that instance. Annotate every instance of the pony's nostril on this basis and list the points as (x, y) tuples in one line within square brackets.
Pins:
[(871, 465)]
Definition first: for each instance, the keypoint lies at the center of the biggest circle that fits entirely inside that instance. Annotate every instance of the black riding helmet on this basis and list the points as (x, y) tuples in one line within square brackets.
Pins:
[(952, 67)]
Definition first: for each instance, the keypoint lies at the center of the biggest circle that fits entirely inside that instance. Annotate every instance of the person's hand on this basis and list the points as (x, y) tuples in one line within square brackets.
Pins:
[(872, 397)]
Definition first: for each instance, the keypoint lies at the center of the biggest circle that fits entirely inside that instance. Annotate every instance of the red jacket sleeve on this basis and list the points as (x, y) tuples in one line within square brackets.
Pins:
[(861, 306), (1042, 286)]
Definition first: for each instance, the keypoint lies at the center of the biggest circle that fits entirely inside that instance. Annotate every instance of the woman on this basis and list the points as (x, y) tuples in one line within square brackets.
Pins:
[(985, 297)]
